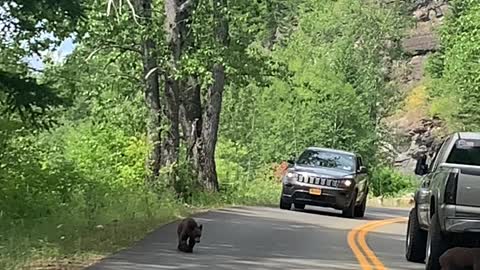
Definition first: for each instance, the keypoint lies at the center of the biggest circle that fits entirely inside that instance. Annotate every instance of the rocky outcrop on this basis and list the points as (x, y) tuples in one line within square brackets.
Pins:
[(414, 133), (421, 39), (424, 140)]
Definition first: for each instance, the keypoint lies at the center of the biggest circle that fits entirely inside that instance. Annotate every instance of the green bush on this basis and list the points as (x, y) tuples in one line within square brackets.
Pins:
[(58, 188), (244, 184), (388, 182)]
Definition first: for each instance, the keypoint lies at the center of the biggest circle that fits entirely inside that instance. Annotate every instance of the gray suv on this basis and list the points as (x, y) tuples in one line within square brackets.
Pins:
[(326, 177), (447, 203)]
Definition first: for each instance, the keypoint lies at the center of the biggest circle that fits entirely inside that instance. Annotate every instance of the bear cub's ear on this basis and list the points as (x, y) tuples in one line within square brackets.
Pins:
[(200, 227)]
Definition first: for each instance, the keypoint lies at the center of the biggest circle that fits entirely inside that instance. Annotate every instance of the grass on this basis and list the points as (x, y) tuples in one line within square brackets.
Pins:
[(71, 240), (54, 240)]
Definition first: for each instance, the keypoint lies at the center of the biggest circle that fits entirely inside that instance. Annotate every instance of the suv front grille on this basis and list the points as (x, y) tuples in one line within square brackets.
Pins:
[(318, 181)]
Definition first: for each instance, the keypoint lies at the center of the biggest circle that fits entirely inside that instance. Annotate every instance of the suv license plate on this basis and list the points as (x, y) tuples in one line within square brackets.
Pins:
[(315, 191)]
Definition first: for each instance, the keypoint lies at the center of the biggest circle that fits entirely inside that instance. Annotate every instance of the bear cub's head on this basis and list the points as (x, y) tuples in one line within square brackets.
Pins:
[(197, 233)]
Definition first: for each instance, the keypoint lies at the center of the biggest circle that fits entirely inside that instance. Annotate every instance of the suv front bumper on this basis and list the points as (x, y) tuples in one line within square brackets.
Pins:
[(330, 197)]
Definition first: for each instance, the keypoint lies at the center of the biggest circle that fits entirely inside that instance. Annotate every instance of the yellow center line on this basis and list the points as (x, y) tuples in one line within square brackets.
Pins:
[(362, 251), (362, 260)]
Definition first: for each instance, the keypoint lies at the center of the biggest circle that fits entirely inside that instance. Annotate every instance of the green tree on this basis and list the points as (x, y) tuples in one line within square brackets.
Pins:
[(330, 86), (25, 28), (455, 69)]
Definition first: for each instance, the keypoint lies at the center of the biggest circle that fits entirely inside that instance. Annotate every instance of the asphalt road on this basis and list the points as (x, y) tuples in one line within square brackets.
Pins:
[(269, 238)]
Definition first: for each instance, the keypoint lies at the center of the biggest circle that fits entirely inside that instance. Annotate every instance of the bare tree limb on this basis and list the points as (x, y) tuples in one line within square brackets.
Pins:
[(132, 8), (35, 69), (113, 60), (111, 3), (186, 5), (111, 46), (131, 78), (150, 72)]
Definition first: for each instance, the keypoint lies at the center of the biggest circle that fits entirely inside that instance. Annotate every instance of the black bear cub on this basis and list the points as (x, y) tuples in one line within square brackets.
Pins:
[(189, 230)]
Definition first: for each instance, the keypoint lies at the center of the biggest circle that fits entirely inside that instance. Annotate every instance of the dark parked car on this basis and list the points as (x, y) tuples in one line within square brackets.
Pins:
[(326, 177)]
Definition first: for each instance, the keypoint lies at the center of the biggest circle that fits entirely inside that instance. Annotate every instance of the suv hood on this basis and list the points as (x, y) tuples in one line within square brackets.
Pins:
[(321, 172)]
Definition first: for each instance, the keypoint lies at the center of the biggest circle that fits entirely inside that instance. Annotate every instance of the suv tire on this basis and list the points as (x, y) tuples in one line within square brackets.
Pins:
[(416, 242), (360, 209), (349, 212), (437, 244), (285, 205)]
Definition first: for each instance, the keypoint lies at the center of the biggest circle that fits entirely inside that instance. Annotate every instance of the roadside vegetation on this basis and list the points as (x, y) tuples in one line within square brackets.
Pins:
[(454, 88), (146, 121)]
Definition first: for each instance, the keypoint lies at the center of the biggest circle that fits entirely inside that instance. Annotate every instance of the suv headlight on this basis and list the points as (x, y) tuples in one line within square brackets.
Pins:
[(291, 177), (345, 183)]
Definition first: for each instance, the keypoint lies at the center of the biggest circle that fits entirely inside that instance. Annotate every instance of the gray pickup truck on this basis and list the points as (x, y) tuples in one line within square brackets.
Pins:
[(447, 203)]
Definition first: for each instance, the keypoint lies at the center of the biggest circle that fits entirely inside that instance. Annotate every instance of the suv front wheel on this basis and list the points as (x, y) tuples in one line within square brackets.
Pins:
[(349, 212), (284, 204), (360, 209)]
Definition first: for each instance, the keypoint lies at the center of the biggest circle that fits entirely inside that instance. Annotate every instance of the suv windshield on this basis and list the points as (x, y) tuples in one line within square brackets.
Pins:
[(327, 159), (465, 152)]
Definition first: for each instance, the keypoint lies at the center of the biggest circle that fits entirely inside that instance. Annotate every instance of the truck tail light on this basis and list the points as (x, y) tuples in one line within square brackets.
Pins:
[(451, 188)]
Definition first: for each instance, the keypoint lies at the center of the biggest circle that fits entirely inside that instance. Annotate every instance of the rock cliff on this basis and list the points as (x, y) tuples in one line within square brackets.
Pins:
[(415, 133)]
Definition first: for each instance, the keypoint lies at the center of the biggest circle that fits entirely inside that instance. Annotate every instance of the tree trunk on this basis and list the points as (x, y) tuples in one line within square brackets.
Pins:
[(191, 115), (177, 13), (206, 145), (152, 95), (171, 141)]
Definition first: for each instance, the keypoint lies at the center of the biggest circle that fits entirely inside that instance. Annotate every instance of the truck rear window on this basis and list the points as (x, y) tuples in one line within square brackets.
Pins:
[(465, 152)]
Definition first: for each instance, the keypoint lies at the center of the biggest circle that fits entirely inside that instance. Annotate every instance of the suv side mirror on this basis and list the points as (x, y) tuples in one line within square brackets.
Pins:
[(362, 169), (421, 168), (290, 162)]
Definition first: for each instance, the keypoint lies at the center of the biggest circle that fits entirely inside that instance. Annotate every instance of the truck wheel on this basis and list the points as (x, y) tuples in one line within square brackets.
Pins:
[(299, 206), (416, 242), (285, 205), (360, 209), (437, 244), (349, 212)]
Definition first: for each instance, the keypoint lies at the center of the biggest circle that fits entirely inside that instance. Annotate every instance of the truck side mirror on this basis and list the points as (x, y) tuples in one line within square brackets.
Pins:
[(421, 168)]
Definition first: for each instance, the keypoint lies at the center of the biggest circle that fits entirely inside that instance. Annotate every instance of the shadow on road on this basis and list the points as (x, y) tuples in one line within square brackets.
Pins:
[(379, 214), (240, 238)]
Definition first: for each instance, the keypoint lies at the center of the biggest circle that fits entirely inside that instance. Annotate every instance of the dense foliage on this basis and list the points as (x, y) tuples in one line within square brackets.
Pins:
[(332, 91), (315, 73), (455, 70)]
